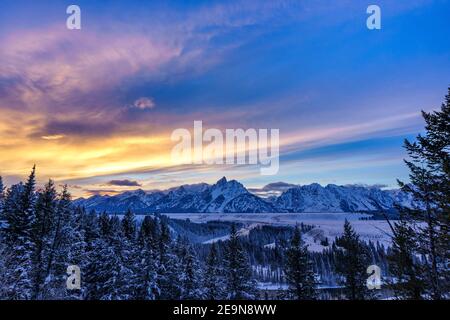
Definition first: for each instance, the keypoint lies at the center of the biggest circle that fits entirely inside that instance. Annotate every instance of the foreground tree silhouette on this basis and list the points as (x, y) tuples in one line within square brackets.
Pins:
[(352, 260), (213, 281), (403, 265), (239, 283), (429, 218), (299, 269)]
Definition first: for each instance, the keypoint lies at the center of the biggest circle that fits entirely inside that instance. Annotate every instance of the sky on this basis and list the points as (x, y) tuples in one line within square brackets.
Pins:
[(95, 108)]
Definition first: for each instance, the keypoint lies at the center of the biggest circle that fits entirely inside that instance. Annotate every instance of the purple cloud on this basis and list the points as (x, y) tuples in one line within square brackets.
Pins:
[(124, 183)]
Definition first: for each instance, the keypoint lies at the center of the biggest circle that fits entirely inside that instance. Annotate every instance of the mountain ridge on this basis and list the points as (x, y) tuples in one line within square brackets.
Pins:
[(230, 196)]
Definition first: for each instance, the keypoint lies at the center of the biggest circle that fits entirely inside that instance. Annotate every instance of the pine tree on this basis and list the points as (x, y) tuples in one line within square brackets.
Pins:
[(126, 252), (77, 249), (190, 275), (105, 227), (102, 276), (17, 233), (429, 186), (239, 283), (130, 255), (19, 210), (352, 260), (404, 267), (2, 195), (214, 281), (129, 226), (60, 241), (42, 229), (106, 275), (147, 287), (299, 269), (168, 266), (91, 228)]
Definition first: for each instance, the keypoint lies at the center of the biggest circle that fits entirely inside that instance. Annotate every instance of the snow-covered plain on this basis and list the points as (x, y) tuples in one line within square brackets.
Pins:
[(326, 225)]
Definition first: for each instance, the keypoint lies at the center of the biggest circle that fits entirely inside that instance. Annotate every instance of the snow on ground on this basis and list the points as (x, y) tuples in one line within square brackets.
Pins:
[(329, 225), (272, 286), (241, 233)]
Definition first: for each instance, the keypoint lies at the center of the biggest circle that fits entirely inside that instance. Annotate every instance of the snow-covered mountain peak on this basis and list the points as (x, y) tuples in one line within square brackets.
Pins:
[(231, 196)]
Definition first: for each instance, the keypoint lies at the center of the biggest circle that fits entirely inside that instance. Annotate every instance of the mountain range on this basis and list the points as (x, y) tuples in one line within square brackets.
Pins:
[(232, 197)]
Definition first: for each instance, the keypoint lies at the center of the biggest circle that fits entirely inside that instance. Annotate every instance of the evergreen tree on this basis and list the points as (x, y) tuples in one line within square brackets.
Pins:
[(102, 276), (46, 205), (105, 228), (404, 268), (129, 226), (352, 260), (190, 275), (17, 234), (11, 209), (239, 283), (77, 249), (299, 269), (126, 252), (429, 186), (168, 266), (59, 246), (19, 211), (91, 229), (147, 288), (2, 195), (214, 282), (106, 275)]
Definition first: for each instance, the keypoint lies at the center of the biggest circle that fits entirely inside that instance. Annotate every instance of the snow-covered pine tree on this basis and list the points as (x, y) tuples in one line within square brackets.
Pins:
[(214, 276), (104, 225), (125, 252), (239, 283), (169, 266), (298, 269), (11, 208), (16, 232), (2, 198), (2, 194), (46, 205), (105, 273), (3, 251), (429, 186), (90, 226), (129, 226), (102, 276), (77, 250), (190, 276), (352, 260), (59, 245), (147, 288)]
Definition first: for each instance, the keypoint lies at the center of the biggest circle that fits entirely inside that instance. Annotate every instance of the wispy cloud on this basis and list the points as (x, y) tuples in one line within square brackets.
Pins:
[(144, 103)]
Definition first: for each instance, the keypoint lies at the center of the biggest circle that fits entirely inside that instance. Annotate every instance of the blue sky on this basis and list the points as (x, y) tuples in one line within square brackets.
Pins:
[(344, 97)]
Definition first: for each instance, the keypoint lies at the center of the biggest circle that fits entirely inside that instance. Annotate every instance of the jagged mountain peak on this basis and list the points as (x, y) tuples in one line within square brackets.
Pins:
[(222, 181), (231, 196)]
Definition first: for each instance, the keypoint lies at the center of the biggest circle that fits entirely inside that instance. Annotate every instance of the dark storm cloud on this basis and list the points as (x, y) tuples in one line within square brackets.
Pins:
[(124, 183)]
